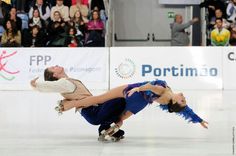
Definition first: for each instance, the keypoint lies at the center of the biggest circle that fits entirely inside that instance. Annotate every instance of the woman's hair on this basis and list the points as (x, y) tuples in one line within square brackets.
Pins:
[(174, 107), (48, 75), (73, 28), (96, 11), (13, 27)]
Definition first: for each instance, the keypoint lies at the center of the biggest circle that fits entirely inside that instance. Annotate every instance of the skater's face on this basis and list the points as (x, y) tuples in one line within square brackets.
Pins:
[(56, 70), (180, 99)]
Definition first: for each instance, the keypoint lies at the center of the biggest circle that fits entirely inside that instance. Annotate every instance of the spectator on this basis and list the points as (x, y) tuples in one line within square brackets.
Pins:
[(34, 38), (95, 28), (64, 10), (4, 9), (212, 5), (56, 29), (44, 10), (37, 20), (178, 35), (79, 7), (13, 16), (102, 13), (220, 36), (97, 3), (231, 11), (65, 2), (79, 24), (218, 14), (72, 39), (11, 37)]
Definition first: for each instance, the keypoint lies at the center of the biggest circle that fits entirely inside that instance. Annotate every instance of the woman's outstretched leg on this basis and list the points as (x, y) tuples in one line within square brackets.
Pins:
[(93, 100)]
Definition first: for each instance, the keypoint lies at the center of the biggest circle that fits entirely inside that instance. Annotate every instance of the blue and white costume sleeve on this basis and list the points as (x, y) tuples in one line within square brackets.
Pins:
[(187, 113)]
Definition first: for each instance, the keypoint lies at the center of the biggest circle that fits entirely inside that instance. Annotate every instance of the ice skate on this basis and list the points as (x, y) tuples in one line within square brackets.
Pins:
[(107, 134)]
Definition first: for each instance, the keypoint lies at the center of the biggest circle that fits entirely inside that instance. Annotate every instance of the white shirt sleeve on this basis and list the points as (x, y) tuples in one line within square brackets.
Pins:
[(60, 86)]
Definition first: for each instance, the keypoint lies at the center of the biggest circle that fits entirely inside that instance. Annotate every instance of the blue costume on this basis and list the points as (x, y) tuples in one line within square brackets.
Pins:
[(104, 114), (140, 100)]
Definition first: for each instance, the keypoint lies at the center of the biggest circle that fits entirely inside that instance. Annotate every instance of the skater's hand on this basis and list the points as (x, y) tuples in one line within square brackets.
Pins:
[(132, 91), (33, 82), (204, 124)]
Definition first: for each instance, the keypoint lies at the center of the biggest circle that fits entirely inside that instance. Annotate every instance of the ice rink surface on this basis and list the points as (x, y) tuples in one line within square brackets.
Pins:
[(29, 126)]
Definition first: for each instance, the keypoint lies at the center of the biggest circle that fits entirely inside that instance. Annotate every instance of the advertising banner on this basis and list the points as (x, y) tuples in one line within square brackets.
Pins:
[(19, 65), (180, 67)]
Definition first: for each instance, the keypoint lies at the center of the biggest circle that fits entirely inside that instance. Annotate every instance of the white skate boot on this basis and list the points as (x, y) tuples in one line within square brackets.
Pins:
[(106, 135)]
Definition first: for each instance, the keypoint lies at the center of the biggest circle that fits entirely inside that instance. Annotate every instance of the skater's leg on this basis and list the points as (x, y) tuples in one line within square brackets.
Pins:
[(93, 100)]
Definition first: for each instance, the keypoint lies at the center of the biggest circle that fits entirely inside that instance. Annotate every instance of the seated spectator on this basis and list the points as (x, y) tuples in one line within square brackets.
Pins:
[(231, 11), (97, 3), (37, 20), (79, 24), (96, 23), (11, 37), (64, 10), (44, 10), (4, 10), (95, 28), (13, 16), (56, 29), (212, 5), (218, 14), (220, 36), (34, 38), (79, 7), (102, 13), (72, 39)]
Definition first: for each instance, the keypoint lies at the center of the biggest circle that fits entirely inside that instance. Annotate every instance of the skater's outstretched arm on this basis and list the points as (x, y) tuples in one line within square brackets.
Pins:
[(99, 99), (60, 86), (188, 114), (148, 87)]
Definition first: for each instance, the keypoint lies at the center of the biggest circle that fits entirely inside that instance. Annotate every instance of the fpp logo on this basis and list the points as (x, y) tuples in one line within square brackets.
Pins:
[(40, 59), (126, 69)]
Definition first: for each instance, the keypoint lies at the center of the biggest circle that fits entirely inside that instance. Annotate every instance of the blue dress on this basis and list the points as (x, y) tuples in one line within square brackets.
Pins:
[(139, 100)]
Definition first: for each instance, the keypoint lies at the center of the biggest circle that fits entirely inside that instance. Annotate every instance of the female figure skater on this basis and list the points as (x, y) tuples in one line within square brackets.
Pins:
[(138, 96)]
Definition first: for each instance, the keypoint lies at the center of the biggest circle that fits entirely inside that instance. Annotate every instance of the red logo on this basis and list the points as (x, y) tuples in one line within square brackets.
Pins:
[(4, 72)]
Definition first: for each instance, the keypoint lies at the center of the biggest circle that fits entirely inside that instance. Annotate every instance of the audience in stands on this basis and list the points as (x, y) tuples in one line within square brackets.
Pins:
[(50, 23)]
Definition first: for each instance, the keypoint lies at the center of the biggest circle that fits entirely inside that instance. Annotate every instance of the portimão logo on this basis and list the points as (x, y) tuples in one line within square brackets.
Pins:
[(5, 73), (126, 69)]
